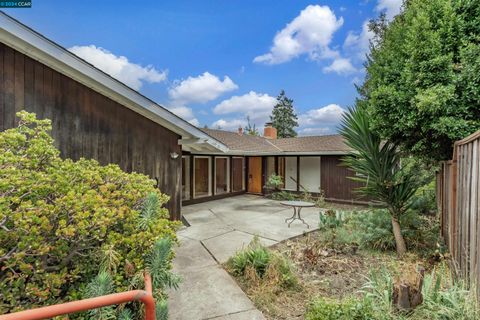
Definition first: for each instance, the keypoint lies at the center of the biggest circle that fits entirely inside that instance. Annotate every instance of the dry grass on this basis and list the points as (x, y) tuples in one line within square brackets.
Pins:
[(321, 270)]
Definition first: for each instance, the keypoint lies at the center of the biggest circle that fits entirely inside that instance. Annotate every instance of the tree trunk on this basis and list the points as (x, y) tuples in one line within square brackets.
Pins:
[(399, 241)]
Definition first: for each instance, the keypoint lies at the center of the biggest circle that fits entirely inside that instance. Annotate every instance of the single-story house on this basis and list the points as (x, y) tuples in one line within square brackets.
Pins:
[(96, 116), (311, 163)]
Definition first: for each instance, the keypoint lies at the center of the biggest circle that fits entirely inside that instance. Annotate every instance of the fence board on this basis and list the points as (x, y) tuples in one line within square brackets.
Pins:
[(458, 199)]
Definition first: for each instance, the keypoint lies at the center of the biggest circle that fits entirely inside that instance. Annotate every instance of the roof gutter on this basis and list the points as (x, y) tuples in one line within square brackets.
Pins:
[(29, 42)]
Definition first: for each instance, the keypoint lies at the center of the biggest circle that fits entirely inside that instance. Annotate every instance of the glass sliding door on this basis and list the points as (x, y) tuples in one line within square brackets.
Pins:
[(238, 174), (270, 167), (202, 177), (186, 178), (222, 175)]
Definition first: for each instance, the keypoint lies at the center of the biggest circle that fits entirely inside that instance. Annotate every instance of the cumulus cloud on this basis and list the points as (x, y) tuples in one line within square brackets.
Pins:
[(203, 88), (132, 74), (309, 33), (341, 66), (358, 43), (330, 114), (229, 125), (185, 113), (390, 7), (255, 105)]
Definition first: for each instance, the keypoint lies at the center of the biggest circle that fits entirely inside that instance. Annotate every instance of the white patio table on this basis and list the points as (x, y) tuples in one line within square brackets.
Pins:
[(297, 208)]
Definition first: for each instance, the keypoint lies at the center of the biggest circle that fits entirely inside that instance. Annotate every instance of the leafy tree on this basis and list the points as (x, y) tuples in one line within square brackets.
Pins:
[(377, 164), (251, 129), (62, 220), (421, 86), (283, 117)]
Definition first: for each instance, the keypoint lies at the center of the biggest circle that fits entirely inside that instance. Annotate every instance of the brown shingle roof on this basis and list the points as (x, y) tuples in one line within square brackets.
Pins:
[(333, 143), (242, 142), (248, 143)]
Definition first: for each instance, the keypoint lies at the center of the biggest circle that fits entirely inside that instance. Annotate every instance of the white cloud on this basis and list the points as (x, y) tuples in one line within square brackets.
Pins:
[(203, 88), (119, 67), (255, 105), (316, 131), (182, 112), (309, 33), (185, 113), (194, 122), (390, 7), (229, 125), (341, 66), (330, 114), (358, 43)]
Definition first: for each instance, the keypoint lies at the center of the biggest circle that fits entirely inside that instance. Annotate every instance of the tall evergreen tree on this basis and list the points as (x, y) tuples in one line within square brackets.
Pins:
[(283, 117)]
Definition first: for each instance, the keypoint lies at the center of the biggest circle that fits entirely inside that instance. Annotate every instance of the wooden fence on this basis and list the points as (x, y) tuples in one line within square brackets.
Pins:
[(458, 198)]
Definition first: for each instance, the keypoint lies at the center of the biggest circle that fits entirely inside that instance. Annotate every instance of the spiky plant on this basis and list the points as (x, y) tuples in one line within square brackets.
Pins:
[(161, 310), (101, 285), (377, 164), (158, 264), (125, 314), (149, 210)]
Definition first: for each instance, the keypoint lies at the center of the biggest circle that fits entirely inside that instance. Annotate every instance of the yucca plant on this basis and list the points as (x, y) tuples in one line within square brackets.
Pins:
[(376, 163)]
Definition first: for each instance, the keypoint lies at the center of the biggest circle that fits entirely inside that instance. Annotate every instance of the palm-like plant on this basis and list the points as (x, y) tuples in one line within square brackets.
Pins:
[(377, 166)]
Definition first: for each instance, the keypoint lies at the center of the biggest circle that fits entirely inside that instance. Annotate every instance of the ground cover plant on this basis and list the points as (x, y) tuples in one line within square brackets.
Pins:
[(63, 221)]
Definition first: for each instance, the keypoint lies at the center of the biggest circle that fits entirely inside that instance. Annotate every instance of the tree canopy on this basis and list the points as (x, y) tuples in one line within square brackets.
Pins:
[(283, 117), (423, 76)]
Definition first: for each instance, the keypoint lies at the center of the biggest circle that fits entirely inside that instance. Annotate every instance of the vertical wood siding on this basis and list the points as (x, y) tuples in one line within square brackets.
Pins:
[(334, 180), (88, 124)]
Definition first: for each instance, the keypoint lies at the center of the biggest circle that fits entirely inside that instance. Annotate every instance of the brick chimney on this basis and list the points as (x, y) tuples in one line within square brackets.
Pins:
[(240, 130), (269, 131)]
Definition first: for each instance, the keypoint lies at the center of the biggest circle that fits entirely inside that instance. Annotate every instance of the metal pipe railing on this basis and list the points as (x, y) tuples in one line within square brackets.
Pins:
[(144, 296)]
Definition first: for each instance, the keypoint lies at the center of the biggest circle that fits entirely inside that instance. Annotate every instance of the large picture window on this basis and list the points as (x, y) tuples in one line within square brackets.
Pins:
[(185, 177), (202, 177), (238, 174), (288, 171), (222, 175)]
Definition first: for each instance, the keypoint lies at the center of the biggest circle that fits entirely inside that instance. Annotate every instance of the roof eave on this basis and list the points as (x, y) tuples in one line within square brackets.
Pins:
[(23, 39)]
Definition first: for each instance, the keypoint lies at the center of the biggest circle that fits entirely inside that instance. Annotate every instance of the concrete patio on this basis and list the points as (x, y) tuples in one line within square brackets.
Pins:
[(219, 229)]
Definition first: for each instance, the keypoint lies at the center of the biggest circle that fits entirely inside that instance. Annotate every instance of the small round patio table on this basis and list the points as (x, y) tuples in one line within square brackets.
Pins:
[(297, 208)]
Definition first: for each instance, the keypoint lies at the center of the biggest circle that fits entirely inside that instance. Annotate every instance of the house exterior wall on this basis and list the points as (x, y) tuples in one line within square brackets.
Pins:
[(335, 182), (88, 124)]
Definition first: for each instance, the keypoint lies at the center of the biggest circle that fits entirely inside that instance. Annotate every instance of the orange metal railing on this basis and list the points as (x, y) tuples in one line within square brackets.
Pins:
[(144, 296)]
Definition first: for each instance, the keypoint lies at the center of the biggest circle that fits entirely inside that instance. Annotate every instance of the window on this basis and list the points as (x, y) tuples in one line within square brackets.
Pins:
[(288, 170), (222, 175), (202, 177), (185, 177), (310, 174), (238, 174)]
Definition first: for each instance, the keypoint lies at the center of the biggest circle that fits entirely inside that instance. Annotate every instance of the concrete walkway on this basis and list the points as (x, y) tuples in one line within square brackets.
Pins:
[(219, 229)]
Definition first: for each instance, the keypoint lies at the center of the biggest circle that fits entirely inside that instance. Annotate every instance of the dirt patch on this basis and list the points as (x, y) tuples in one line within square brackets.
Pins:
[(323, 270)]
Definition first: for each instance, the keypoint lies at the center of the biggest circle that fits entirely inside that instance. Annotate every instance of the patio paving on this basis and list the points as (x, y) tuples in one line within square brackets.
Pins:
[(219, 229)]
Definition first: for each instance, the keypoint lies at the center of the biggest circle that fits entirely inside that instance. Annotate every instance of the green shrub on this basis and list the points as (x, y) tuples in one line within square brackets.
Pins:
[(348, 309), (374, 230), (283, 196), (265, 264), (274, 181), (62, 220)]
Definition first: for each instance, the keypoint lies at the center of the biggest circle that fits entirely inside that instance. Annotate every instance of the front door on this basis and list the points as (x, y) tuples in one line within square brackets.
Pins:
[(255, 174)]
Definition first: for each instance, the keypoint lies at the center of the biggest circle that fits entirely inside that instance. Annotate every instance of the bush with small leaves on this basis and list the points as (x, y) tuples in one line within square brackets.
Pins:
[(63, 220)]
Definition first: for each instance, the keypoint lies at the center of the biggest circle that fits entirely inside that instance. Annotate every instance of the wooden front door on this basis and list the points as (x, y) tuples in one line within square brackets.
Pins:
[(255, 174)]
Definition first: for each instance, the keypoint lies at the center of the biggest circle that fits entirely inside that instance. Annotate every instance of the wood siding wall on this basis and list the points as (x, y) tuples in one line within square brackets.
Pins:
[(88, 124), (458, 200), (335, 182)]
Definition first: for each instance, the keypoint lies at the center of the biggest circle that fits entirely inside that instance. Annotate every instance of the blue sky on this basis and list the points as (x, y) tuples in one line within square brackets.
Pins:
[(217, 62)]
